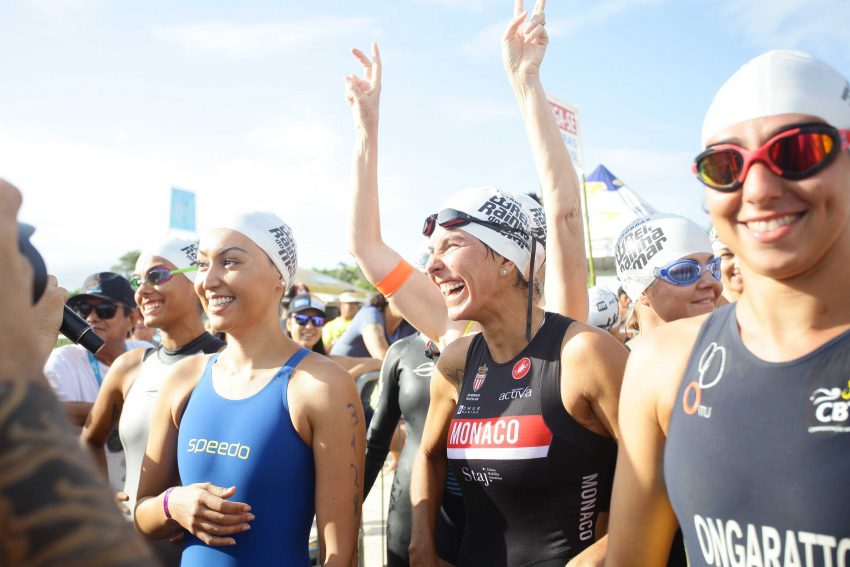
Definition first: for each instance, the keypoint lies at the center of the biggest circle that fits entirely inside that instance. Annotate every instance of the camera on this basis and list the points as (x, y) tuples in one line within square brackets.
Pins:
[(73, 326)]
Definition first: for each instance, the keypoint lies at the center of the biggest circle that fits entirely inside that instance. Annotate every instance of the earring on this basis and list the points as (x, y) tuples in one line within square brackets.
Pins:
[(504, 273)]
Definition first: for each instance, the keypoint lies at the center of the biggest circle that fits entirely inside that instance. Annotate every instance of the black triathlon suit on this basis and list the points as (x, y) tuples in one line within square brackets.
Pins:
[(405, 390), (757, 459), (533, 479)]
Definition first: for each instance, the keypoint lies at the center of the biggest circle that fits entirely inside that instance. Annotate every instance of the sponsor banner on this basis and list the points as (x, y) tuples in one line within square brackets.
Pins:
[(566, 117), (182, 215), (511, 437)]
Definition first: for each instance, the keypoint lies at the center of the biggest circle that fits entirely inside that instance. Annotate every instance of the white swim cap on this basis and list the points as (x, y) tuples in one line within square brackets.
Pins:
[(269, 232), (780, 82), (717, 245), (179, 251), (537, 224), (654, 242), (493, 205), (604, 308)]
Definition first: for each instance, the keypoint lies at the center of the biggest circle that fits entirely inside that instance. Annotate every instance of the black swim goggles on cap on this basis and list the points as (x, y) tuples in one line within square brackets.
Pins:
[(688, 272), (452, 218), (795, 153), (158, 275)]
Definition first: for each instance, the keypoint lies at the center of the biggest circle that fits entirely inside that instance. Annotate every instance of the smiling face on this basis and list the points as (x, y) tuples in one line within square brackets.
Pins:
[(782, 228), (236, 282), (469, 277), (166, 303), (733, 282), (305, 335), (671, 302)]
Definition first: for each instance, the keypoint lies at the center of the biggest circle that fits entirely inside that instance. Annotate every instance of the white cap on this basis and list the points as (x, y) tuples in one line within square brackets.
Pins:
[(537, 224), (493, 205), (654, 242), (604, 308), (780, 82), (269, 232), (349, 297), (179, 251)]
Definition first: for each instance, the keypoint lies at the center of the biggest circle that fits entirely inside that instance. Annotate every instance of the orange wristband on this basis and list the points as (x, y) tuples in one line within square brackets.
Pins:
[(395, 279)]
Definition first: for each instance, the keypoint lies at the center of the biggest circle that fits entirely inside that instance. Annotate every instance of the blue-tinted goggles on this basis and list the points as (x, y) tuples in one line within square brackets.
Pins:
[(688, 272)]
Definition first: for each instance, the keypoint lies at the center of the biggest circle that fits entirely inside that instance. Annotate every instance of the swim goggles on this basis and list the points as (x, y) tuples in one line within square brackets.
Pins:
[(452, 218), (687, 272), (158, 275), (795, 153)]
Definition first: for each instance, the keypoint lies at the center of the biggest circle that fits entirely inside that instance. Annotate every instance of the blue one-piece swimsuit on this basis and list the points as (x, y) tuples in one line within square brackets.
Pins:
[(250, 444)]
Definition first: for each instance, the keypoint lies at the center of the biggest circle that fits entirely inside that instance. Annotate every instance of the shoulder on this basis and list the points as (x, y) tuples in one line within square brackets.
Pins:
[(600, 357), (452, 361), (368, 314), (124, 366), (657, 363), (320, 381), (182, 378)]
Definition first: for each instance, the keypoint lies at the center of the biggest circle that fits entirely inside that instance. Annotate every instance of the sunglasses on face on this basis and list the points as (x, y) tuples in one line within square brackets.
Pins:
[(796, 153), (102, 310), (451, 218), (302, 320), (158, 275), (688, 272)]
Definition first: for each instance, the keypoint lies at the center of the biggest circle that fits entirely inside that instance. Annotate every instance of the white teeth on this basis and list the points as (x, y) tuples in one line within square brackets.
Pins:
[(217, 301), (153, 305), (448, 288), (772, 224)]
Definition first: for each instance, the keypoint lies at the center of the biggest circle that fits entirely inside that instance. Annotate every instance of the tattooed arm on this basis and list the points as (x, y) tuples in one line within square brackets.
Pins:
[(429, 468), (328, 415), (54, 508)]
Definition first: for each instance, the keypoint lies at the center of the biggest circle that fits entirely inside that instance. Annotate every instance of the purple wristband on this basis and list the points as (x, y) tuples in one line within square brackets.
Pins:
[(165, 502)]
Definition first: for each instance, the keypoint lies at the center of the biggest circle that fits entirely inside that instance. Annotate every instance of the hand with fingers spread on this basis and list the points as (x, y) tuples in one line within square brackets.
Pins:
[(364, 94), (524, 42), (204, 510)]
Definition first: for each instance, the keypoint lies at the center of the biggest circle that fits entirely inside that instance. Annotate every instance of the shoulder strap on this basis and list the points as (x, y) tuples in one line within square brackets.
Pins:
[(296, 358)]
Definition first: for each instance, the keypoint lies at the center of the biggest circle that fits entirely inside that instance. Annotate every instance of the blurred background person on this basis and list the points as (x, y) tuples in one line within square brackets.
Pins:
[(733, 280), (375, 327), (604, 309), (349, 305)]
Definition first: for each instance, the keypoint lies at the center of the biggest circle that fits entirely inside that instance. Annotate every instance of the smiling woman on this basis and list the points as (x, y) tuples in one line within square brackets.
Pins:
[(265, 419), (130, 389)]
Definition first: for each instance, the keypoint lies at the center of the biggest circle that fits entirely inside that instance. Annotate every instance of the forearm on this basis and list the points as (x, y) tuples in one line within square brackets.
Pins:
[(593, 556), (77, 412), (566, 268), (56, 508), (426, 490), (97, 453), (150, 518)]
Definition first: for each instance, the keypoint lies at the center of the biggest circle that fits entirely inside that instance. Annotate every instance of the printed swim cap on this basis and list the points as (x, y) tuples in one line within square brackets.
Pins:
[(179, 251), (654, 242), (604, 308), (780, 82), (269, 232)]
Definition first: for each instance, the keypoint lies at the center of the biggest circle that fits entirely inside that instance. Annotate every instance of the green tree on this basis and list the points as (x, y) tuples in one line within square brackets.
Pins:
[(349, 273), (127, 263)]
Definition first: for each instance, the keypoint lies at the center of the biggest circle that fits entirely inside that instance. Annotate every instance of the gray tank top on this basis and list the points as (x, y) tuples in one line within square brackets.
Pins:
[(757, 460)]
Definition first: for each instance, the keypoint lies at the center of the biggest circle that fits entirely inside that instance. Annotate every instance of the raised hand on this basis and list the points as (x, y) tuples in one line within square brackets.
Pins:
[(203, 510), (524, 42), (364, 94)]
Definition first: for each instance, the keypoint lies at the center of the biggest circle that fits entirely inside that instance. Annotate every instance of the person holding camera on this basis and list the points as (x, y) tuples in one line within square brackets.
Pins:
[(54, 507)]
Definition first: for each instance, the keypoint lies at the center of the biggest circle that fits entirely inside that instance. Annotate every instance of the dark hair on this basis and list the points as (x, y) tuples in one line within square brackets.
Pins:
[(621, 292), (379, 301)]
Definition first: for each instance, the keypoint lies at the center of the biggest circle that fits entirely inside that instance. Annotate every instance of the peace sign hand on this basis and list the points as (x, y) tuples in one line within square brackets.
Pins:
[(524, 43), (364, 94)]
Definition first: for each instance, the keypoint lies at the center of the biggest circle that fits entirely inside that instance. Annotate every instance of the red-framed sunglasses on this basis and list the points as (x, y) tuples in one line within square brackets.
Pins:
[(795, 153), (452, 218)]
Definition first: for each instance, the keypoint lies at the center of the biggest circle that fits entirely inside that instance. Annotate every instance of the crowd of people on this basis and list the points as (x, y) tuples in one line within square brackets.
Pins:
[(698, 416)]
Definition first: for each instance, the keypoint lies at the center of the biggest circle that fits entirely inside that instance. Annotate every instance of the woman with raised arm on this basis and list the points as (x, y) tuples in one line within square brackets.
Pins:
[(129, 391), (246, 444), (409, 291), (735, 423)]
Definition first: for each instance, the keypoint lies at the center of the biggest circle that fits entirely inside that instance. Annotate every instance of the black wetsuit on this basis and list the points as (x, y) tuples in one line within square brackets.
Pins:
[(405, 389), (533, 479), (757, 459)]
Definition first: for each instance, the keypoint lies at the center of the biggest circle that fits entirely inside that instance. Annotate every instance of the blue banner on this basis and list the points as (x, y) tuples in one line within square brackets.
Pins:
[(182, 210)]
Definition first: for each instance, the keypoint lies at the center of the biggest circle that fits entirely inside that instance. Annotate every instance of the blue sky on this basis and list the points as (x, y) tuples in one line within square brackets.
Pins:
[(105, 105)]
